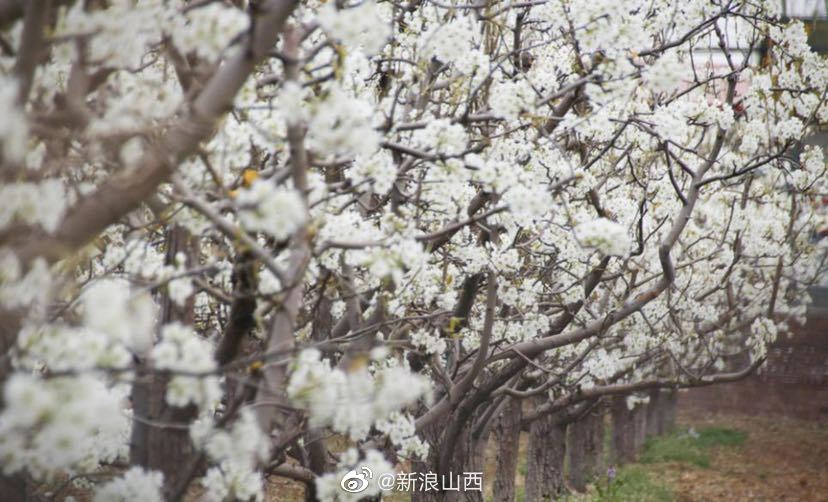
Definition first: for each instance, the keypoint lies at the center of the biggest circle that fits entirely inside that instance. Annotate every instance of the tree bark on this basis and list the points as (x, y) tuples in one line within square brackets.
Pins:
[(160, 436), (654, 423), (468, 456), (507, 437), (623, 431), (545, 459), (639, 426), (585, 448), (13, 488), (667, 414)]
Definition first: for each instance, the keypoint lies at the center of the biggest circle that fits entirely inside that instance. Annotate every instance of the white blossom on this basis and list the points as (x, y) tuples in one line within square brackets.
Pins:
[(60, 423), (351, 402), (276, 211), (135, 484), (41, 203), (181, 349), (358, 27), (605, 235)]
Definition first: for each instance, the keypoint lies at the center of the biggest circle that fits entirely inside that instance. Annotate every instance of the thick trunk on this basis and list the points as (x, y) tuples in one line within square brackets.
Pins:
[(639, 426), (667, 406), (13, 488), (654, 424), (623, 431), (468, 457), (315, 443), (545, 459), (160, 437), (317, 459), (507, 439), (585, 448), (10, 325)]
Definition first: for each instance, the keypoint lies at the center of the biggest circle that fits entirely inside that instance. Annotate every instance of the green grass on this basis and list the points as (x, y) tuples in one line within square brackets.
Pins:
[(633, 484), (720, 436), (681, 447)]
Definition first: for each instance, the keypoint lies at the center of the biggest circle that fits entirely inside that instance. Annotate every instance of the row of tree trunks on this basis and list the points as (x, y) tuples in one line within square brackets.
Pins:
[(552, 440), (631, 427), (548, 446)]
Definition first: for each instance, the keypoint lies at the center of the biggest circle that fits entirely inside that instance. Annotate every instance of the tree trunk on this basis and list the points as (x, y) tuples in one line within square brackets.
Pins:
[(639, 426), (162, 441), (468, 457), (668, 403), (585, 448), (507, 437), (623, 431), (317, 459), (545, 459), (12, 486), (654, 424)]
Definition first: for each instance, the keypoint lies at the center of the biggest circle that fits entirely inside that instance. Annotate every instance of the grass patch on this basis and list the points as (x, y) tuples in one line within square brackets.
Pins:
[(720, 436), (691, 449), (633, 484)]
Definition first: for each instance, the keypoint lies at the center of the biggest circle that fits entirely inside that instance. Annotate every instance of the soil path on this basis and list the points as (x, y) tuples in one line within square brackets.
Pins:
[(781, 460)]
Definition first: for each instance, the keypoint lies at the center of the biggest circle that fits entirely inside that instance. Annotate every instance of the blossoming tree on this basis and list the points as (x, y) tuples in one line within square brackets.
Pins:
[(231, 230)]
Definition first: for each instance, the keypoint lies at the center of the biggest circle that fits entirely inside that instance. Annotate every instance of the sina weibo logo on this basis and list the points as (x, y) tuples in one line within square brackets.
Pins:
[(356, 482)]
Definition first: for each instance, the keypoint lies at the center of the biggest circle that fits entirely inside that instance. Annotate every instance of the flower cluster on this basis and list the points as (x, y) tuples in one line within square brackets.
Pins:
[(135, 484), (605, 235), (41, 203), (276, 211), (52, 425), (180, 349), (357, 27), (351, 402), (400, 430), (236, 454)]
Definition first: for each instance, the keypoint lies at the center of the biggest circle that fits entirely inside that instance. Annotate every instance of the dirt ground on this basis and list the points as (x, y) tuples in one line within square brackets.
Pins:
[(781, 460)]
